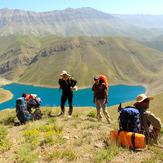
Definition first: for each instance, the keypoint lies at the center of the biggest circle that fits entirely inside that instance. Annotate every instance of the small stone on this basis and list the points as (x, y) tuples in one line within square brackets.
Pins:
[(66, 137), (76, 137), (98, 145)]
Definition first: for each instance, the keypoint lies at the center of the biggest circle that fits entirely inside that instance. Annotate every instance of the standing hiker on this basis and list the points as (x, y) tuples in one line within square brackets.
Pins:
[(100, 98), (66, 85), (147, 118)]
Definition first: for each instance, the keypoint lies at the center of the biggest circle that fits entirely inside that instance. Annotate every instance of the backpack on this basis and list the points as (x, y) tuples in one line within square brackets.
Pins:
[(21, 110), (129, 119), (103, 79)]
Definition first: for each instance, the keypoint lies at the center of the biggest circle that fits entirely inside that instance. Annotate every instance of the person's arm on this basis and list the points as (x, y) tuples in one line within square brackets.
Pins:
[(106, 96), (37, 101), (94, 97), (155, 122), (60, 83), (94, 94), (73, 82)]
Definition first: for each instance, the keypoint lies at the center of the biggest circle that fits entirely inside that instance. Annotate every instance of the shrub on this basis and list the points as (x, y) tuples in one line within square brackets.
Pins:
[(3, 132), (108, 154), (4, 144), (92, 114), (46, 111), (61, 153), (49, 137), (25, 154), (8, 119), (32, 136)]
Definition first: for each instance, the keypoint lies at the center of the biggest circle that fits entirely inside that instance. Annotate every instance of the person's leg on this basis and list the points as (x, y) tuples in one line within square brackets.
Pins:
[(155, 133), (98, 107), (70, 98), (32, 104), (29, 107), (105, 111), (151, 136), (63, 101), (37, 114)]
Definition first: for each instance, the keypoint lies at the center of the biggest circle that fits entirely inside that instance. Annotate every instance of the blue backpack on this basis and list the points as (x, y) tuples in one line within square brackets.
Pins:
[(129, 119), (21, 110)]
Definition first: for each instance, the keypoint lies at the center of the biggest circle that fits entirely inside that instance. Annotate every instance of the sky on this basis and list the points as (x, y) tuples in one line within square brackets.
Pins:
[(152, 7)]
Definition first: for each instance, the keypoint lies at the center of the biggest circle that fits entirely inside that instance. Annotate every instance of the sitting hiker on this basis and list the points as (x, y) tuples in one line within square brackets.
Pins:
[(147, 118)]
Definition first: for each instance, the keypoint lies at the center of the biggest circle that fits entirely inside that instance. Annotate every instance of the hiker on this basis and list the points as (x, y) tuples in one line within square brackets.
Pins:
[(100, 98), (33, 102), (66, 85), (147, 118)]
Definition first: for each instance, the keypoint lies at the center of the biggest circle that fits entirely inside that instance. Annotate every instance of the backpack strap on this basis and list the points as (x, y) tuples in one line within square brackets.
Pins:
[(117, 138), (133, 140), (70, 81)]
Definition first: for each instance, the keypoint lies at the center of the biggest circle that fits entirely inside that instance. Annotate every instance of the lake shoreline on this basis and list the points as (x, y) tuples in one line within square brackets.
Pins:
[(85, 87)]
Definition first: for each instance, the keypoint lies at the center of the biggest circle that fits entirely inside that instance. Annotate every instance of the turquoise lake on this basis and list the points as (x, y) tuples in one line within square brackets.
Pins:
[(84, 97)]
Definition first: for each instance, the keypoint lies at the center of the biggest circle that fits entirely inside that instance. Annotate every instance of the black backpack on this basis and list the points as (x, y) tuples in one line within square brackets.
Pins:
[(21, 110), (129, 119)]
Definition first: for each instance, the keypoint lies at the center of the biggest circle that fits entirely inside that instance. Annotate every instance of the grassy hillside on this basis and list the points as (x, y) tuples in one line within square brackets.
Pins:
[(40, 60), (80, 138), (5, 95)]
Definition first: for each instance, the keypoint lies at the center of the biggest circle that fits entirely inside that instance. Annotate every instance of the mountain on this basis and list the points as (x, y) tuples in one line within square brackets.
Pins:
[(154, 22), (70, 22), (40, 60)]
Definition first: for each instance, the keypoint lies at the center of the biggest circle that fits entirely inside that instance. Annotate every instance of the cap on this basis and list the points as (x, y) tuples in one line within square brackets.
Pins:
[(96, 78)]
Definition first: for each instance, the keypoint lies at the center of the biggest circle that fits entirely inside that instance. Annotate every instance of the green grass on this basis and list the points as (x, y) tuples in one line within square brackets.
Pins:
[(4, 143), (25, 154), (68, 154)]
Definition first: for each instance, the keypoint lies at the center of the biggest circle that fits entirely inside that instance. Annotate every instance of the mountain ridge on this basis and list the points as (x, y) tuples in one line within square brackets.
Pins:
[(69, 22)]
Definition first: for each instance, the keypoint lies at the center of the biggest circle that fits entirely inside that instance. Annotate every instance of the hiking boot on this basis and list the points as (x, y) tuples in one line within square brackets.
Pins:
[(99, 119), (60, 114), (109, 121)]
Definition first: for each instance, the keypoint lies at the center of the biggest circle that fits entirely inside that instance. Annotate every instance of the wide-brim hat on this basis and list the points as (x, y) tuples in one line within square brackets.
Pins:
[(142, 97), (64, 73)]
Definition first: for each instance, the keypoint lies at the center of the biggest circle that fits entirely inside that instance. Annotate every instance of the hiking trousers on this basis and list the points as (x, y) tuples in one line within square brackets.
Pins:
[(101, 103), (64, 97)]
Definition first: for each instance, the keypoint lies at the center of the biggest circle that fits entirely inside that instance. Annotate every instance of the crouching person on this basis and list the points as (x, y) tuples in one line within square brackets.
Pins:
[(148, 119), (33, 102)]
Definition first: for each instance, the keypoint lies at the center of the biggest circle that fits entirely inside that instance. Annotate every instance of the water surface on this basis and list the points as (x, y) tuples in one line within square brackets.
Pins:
[(84, 97)]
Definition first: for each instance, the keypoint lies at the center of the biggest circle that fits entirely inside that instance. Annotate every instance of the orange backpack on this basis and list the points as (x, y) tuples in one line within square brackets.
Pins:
[(103, 79)]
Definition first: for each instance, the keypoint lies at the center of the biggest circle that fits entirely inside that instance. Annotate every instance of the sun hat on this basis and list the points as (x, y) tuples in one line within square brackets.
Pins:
[(142, 97), (96, 78), (64, 73)]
